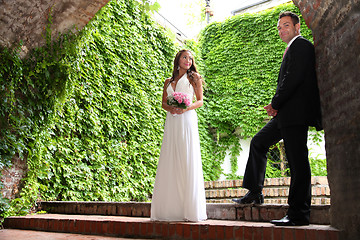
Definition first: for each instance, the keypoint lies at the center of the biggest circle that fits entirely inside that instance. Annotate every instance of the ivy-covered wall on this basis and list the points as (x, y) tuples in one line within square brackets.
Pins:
[(241, 58), (85, 110), (105, 141)]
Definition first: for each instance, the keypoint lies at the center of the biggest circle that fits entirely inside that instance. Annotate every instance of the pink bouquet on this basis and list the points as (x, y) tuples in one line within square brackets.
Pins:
[(179, 99)]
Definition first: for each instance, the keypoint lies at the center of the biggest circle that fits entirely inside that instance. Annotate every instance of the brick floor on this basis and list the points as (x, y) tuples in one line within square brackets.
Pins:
[(141, 227), (15, 234)]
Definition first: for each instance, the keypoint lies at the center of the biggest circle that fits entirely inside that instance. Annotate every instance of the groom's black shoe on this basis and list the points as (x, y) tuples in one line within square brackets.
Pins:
[(251, 197), (286, 221)]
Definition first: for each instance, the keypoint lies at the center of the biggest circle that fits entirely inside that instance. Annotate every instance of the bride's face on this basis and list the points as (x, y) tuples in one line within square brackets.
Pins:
[(186, 60)]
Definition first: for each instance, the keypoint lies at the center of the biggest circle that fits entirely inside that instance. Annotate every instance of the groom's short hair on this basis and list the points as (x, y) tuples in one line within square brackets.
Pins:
[(295, 18)]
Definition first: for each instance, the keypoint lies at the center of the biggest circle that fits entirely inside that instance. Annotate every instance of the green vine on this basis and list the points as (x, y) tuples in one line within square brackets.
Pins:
[(240, 61), (107, 136), (32, 90), (85, 111)]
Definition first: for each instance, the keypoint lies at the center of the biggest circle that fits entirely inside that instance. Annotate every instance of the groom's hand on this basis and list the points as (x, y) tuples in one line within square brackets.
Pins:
[(270, 111)]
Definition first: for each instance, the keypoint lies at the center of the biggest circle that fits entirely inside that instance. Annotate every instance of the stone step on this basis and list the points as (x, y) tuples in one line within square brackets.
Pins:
[(276, 190), (216, 211), (278, 200), (269, 192), (268, 182), (142, 227), (278, 195)]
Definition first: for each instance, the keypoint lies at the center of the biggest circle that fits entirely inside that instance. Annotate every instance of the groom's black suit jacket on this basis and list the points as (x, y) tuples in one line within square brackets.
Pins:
[(297, 95)]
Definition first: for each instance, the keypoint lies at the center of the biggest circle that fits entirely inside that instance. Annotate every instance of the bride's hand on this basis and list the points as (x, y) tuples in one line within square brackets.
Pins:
[(172, 110), (175, 110), (178, 111)]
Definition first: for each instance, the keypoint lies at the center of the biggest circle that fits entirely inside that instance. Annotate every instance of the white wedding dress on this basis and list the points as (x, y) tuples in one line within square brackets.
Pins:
[(179, 193)]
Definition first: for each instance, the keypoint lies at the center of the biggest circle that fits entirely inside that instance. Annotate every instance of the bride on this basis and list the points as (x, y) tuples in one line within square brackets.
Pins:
[(179, 193)]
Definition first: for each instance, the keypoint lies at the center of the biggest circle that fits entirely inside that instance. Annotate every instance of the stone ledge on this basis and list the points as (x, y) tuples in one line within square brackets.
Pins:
[(223, 211), (133, 209), (262, 213)]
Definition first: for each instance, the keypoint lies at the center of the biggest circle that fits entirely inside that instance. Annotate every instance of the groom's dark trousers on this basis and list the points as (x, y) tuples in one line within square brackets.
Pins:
[(295, 141)]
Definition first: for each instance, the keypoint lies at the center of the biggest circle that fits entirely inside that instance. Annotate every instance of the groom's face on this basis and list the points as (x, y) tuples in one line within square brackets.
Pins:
[(287, 29)]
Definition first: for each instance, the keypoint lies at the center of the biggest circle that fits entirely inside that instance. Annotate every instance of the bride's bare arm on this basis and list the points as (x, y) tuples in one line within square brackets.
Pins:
[(165, 106), (198, 88)]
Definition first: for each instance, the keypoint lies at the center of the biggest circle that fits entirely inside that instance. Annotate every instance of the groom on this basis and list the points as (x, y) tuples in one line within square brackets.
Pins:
[(294, 107)]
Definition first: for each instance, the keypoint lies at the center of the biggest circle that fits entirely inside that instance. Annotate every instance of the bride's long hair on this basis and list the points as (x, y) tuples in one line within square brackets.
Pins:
[(192, 68)]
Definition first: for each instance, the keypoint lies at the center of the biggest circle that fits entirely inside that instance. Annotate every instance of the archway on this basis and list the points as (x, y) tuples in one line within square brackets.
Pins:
[(336, 31)]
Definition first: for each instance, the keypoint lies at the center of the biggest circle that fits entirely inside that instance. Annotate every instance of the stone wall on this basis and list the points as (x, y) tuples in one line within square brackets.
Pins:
[(26, 19), (11, 178), (336, 30)]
